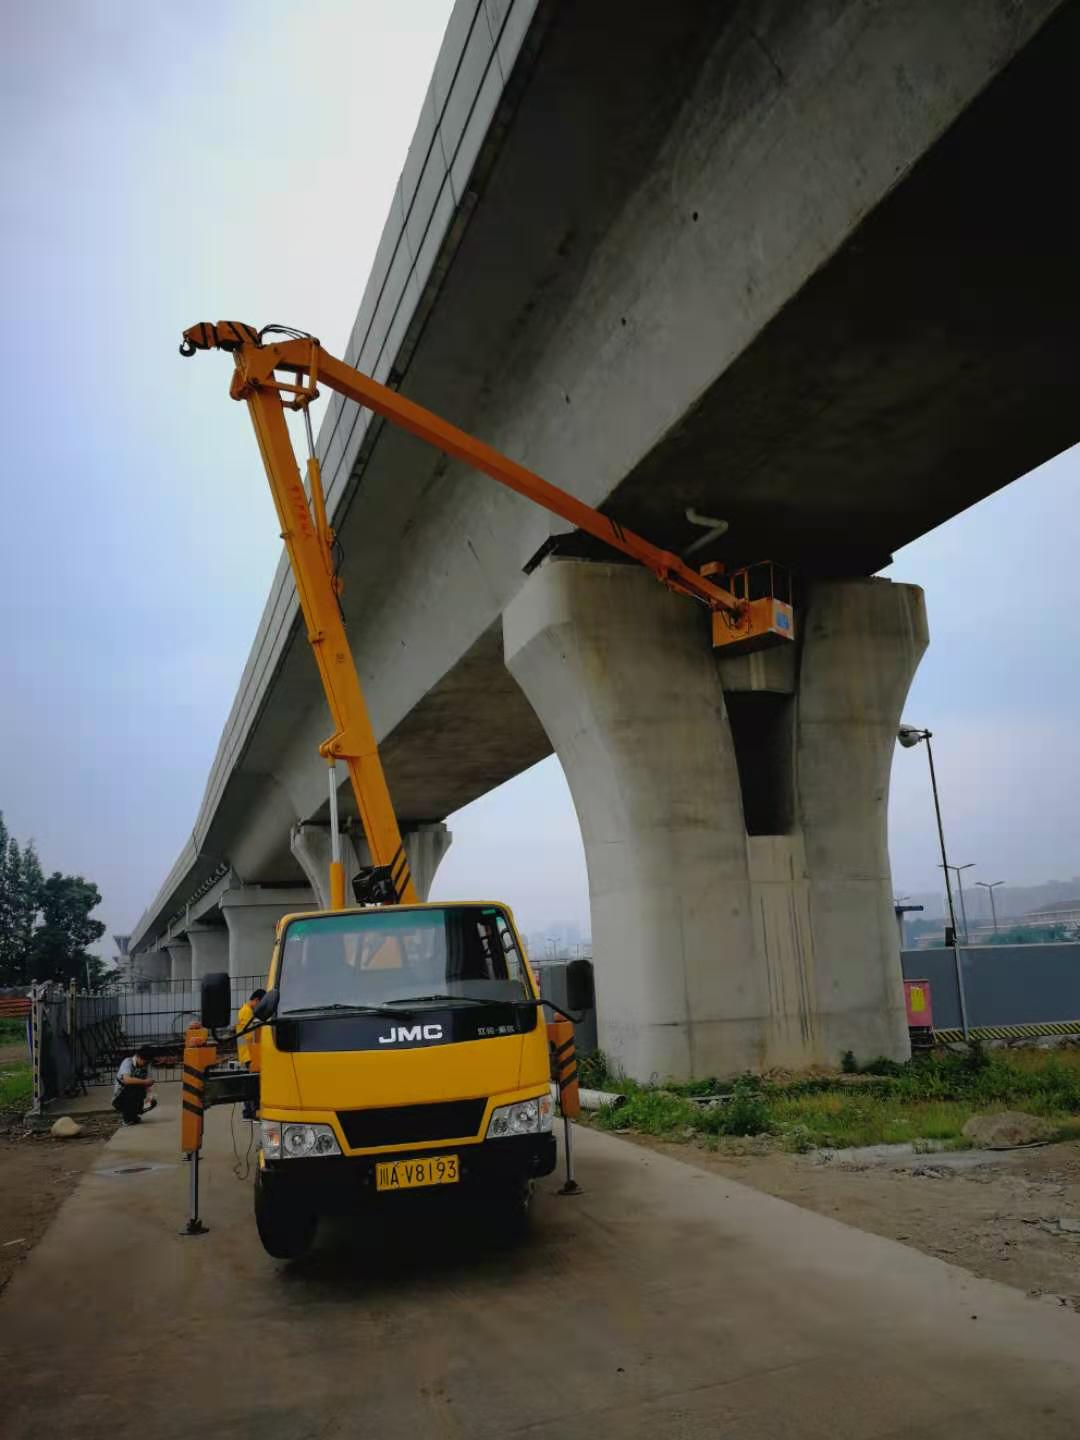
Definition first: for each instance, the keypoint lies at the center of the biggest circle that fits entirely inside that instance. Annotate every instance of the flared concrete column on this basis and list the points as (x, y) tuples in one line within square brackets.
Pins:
[(622, 677), (742, 913), (209, 949), (251, 915), (425, 847), (152, 965), (179, 959), (310, 844), (862, 642)]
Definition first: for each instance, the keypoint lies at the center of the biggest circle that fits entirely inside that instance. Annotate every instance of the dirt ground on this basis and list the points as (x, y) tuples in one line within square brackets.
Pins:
[(996, 1214), (37, 1173)]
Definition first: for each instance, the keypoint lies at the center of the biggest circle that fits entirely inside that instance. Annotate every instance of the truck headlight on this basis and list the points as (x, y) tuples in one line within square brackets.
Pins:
[(524, 1117), (297, 1142)]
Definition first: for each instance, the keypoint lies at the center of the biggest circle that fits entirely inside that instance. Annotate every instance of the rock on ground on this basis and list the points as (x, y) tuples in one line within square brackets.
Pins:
[(65, 1128), (1006, 1130)]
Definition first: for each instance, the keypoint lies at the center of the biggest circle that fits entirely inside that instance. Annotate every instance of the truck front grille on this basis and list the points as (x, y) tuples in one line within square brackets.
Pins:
[(411, 1124)]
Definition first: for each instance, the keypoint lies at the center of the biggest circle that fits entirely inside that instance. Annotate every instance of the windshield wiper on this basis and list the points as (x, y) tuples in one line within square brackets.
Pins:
[(338, 1007), (450, 1000)]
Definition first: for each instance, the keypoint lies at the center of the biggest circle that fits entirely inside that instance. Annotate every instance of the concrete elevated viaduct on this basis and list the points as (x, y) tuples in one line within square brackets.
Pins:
[(810, 268)]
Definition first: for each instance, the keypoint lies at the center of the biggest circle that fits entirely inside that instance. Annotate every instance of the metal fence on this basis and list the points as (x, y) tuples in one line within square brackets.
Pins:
[(79, 1040), (1004, 985)]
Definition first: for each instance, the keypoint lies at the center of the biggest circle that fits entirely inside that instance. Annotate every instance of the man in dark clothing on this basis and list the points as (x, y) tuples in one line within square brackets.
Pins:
[(131, 1090)]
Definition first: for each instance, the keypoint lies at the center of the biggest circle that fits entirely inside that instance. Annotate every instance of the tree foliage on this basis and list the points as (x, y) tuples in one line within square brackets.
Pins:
[(59, 945), (45, 925)]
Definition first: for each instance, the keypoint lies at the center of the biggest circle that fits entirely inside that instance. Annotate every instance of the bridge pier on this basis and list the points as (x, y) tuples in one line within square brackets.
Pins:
[(862, 643), (179, 959), (425, 846), (251, 915), (153, 965), (209, 949), (736, 848)]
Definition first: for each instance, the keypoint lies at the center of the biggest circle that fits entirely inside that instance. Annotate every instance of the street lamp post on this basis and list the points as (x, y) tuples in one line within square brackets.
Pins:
[(960, 886), (909, 736), (990, 886)]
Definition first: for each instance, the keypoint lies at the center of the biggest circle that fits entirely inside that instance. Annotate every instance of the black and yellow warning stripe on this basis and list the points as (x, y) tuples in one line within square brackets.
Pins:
[(1008, 1032), (193, 1091), (399, 872), (566, 1063)]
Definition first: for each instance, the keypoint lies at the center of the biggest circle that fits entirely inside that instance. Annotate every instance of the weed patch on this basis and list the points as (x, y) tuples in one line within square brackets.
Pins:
[(16, 1087), (928, 1100), (595, 1072)]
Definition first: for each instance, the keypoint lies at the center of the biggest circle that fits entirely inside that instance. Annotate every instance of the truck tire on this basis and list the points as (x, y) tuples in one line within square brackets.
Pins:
[(511, 1211), (286, 1232)]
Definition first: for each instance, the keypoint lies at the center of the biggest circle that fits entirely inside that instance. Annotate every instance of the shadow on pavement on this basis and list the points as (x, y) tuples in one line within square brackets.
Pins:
[(420, 1241)]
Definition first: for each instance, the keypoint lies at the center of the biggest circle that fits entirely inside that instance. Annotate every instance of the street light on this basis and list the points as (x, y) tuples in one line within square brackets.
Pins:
[(990, 886), (909, 736), (960, 886)]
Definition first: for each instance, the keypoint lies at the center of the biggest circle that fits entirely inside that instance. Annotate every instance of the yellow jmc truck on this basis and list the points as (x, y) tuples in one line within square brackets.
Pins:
[(401, 1048)]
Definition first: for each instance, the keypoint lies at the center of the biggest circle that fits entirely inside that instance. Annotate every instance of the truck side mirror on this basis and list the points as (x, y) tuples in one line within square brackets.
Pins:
[(580, 987), (266, 1009), (215, 1000)]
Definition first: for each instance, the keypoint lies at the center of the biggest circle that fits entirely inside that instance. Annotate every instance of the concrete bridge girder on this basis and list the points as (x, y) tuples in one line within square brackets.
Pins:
[(775, 262), (717, 950), (792, 126)]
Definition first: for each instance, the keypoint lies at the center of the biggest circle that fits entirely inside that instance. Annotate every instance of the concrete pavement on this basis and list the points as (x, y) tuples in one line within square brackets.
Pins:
[(665, 1301)]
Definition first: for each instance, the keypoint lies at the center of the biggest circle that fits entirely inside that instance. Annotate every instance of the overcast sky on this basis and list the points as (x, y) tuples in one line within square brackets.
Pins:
[(174, 162)]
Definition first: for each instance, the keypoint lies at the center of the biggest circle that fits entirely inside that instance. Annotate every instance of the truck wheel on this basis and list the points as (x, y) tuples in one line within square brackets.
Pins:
[(511, 1211), (286, 1232)]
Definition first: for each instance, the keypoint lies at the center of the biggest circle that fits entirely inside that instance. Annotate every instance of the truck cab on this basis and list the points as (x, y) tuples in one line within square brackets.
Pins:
[(402, 1048)]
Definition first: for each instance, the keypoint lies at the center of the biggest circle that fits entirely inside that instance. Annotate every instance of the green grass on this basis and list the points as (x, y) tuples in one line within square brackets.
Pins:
[(16, 1087), (11, 1031), (927, 1100)]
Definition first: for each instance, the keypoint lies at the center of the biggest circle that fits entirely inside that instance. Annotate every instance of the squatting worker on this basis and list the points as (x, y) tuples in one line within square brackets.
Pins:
[(131, 1091), (248, 1045)]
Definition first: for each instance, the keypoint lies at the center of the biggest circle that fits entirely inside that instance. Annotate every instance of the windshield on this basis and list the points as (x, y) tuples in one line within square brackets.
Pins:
[(386, 957)]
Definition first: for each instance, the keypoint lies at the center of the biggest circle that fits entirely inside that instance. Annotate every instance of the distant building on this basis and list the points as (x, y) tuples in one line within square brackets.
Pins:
[(1065, 912)]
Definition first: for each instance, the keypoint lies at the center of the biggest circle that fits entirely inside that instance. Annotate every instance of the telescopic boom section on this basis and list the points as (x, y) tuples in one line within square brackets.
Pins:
[(255, 367), (309, 541)]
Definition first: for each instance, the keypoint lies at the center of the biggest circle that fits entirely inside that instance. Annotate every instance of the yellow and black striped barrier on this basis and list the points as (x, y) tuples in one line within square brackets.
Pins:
[(564, 1073), (199, 1054), (1008, 1032), (564, 1069)]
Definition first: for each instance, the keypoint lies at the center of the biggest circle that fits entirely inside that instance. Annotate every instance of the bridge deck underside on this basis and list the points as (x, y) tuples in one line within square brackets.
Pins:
[(928, 360)]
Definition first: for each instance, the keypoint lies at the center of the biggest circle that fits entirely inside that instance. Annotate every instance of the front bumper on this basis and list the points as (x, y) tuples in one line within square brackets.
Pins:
[(341, 1183)]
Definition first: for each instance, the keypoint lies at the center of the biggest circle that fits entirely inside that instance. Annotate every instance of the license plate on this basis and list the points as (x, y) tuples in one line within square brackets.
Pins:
[(409, 1174)]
